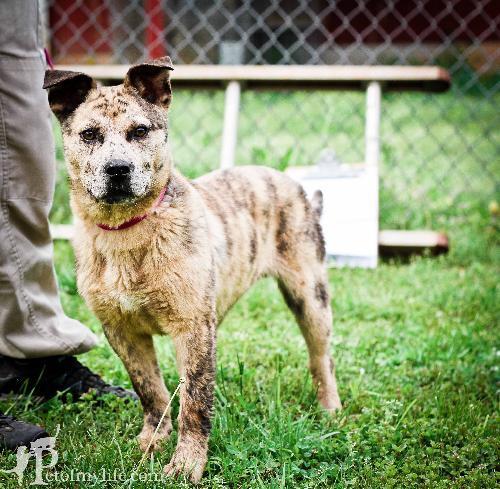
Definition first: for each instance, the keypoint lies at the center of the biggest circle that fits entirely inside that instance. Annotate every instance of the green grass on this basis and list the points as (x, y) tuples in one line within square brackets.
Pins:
[(416, 344)]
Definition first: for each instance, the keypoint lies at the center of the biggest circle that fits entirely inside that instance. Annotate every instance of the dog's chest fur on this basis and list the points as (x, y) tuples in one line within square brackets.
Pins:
[(123, 287), (141, 277)]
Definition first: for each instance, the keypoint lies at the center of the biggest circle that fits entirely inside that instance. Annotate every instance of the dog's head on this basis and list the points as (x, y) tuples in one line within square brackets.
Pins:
[(115, 138)]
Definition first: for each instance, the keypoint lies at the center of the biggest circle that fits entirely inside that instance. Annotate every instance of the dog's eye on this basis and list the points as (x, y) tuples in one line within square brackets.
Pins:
[(89, 134), (140, 131)]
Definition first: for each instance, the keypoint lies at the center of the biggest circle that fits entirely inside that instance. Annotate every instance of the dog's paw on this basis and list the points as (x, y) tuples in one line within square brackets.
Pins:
[(187, 462), (151, 442), (331, 404)]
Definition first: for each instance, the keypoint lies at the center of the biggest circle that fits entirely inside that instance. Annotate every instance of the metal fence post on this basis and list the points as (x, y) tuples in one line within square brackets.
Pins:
[(372, 128), (372, 148), (230, 129)]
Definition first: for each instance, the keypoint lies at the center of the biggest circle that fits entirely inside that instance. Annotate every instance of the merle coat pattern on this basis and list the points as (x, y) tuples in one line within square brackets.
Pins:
[(180, 269)]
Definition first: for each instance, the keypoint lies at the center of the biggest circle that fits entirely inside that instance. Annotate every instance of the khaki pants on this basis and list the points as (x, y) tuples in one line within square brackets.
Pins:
[(32, 322)]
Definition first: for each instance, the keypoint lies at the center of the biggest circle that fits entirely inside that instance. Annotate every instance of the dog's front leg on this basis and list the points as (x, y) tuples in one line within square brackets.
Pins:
[(139, 357), (196, 361)]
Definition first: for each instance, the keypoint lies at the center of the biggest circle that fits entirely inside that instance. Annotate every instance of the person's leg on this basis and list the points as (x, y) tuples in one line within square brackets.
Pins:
[(36, 338), (32, 322)]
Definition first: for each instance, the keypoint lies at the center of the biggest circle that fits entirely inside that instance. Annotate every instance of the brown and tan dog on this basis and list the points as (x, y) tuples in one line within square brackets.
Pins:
[(158, 254)]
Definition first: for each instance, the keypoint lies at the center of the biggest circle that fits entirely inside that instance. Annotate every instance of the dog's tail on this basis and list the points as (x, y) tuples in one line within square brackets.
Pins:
[(317, 203)]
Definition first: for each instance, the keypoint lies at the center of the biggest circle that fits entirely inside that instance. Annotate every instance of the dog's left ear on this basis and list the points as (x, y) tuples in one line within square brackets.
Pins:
[(152, 81)]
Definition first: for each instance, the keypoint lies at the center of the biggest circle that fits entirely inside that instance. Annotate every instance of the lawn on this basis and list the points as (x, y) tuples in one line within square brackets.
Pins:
[(416, 344)]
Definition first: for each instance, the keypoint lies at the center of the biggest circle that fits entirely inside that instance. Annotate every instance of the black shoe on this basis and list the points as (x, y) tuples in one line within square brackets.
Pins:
[(15, 433), (45, 377)]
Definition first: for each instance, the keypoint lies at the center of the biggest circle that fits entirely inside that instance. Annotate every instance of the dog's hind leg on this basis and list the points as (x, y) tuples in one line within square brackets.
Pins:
[(299, 266), (139, 357), (305, 291)]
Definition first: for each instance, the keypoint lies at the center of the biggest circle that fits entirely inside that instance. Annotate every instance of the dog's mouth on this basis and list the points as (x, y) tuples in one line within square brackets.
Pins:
[(118, 197), (118, 191)]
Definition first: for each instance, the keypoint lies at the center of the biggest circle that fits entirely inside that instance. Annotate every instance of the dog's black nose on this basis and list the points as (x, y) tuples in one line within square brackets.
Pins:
[(118, 168)]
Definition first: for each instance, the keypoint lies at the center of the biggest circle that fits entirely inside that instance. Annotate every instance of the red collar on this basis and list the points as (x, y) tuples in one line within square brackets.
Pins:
[(136, 219)]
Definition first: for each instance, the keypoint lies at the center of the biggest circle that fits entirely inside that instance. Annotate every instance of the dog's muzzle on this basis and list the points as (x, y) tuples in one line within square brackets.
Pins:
[(118, 186)]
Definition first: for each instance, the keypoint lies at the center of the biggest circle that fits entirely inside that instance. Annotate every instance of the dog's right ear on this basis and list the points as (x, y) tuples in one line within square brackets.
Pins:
[(67, 90)]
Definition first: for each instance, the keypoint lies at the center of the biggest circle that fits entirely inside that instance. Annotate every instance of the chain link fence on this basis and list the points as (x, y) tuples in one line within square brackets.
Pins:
[(440, 153)]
